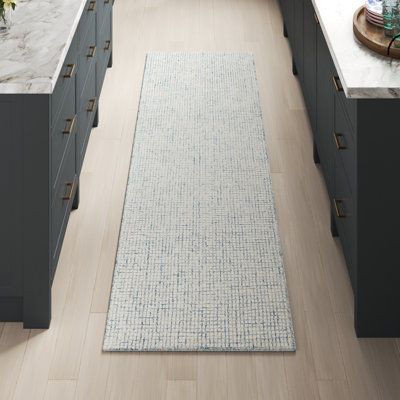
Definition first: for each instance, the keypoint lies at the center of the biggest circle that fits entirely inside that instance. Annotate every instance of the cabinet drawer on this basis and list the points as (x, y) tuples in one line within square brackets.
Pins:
[(62, 201), (345, 215), (310, 62), (66, 78), (349, 105), (87, 56), (344, 144), (103, 10), (325, 151), (87, 20), (324, 110), (103, 55), (64, 128), (87, 109)]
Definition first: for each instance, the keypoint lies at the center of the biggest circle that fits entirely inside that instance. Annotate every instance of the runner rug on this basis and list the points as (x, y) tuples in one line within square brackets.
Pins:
[(199, 263)]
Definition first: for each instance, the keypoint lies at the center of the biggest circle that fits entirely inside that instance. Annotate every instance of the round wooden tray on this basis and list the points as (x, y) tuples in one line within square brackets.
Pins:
[(372, 36)]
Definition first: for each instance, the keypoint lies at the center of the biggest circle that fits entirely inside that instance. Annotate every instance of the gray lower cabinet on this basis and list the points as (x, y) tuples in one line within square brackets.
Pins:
[(310, 62), (325, 70), (356, 144), (42, 148)]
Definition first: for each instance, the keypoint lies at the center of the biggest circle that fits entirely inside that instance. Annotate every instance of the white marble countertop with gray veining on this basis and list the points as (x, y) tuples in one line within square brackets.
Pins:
[(33, 51), (363, 73)]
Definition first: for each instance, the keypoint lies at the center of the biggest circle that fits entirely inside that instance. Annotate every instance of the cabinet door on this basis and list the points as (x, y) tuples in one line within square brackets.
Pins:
[(298, 39), (310, 62), (325, 108)]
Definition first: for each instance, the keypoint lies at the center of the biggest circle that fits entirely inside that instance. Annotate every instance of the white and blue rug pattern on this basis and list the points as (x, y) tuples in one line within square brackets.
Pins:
[(199, 264)]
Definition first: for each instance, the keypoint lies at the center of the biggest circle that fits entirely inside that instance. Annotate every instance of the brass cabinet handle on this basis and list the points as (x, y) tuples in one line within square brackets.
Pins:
[(70, 71), (339, 145), (70, 124), (338, 204), (337, 84), (70, 186), (92, 5), (316, 19), (108, 45), (92, 105), (92, 51)]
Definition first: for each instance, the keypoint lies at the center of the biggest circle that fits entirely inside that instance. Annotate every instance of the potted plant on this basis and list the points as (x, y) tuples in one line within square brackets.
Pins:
[(6, 8)]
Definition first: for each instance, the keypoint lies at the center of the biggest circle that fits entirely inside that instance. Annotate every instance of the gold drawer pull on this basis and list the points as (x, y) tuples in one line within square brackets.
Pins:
[(338, 203), (338, 137), (69, 127), (70, 186), (92, 5), (92, 105), (316, 19), (70, 71), (337, 84), (92, 51), (108, 45)]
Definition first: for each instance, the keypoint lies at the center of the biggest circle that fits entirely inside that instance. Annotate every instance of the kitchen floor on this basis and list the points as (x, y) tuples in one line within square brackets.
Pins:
[(66, 362)]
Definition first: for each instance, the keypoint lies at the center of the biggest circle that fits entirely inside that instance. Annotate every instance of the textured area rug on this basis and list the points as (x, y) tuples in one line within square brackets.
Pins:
[(199, 264)]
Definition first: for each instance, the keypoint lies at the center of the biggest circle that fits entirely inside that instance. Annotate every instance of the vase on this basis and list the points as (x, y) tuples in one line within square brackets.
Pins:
[(5, 21)]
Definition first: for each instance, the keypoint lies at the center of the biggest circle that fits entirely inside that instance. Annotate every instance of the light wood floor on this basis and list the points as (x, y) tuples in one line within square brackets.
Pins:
[(66, 362)]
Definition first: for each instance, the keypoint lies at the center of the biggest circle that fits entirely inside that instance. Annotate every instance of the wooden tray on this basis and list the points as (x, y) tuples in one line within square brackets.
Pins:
[(372, 36)]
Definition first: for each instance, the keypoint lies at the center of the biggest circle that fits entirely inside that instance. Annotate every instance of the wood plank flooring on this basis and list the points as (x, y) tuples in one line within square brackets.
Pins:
[(66, 362)]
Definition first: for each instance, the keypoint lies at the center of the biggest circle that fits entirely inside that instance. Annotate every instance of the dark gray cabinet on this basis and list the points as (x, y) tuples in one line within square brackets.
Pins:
[(288, 13), (42, 147), (298, 39), (310, 61), (324, 110), (355, 142)]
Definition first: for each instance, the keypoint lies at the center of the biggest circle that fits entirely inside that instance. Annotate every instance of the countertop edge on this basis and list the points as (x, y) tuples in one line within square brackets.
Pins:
[(44, 85), (67, 46), (355, 92)]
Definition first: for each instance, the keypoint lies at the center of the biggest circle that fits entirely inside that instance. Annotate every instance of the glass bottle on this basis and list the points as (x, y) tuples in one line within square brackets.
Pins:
[(390, 16)]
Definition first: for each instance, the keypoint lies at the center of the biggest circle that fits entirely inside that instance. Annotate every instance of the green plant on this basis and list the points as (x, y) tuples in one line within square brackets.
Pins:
[(5, 5)]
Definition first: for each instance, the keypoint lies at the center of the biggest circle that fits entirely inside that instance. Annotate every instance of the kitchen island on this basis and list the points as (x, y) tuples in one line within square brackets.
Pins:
[(52, 67), (353, 102)]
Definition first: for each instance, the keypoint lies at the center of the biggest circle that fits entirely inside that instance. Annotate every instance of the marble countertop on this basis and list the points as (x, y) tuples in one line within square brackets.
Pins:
[(33, 51), (363, 74)]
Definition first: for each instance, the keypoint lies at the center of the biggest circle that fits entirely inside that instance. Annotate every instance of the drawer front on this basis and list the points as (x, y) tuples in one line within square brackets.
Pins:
[(103, 10), (346, 219), (310, 62), (87, 56), (324, 110), (87, 20), (103, 55), (63, 130), (349, 105), (62, 201), (86, 113), (344, 144), (66, 78), (325, 151)]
